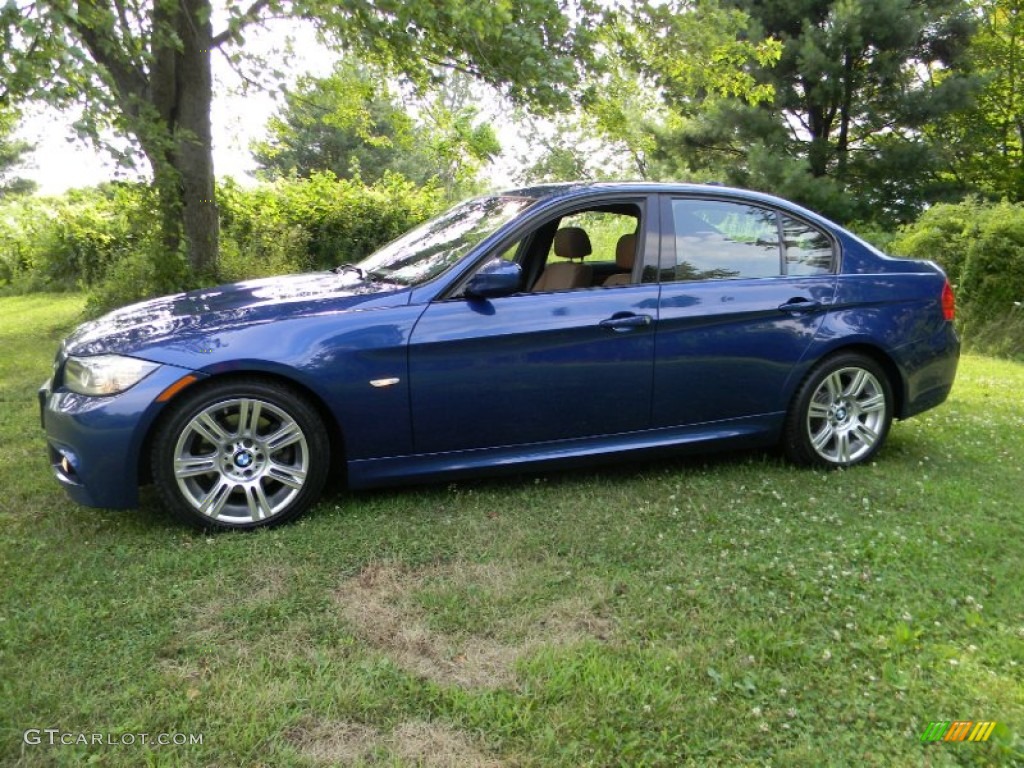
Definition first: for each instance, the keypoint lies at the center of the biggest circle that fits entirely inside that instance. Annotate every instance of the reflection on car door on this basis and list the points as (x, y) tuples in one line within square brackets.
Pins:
[(531, 368), (736, 314)]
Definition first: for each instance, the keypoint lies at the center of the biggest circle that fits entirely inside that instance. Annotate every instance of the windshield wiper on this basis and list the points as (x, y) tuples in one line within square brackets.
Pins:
[(343, 268)]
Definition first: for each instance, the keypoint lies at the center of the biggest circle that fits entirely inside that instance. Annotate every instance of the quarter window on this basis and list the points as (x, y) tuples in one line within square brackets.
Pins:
[(808, 251)]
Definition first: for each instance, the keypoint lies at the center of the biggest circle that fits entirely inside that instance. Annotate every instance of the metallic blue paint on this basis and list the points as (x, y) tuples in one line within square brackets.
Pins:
[(106, 436), (726, 350), (494, 279), (514, 381), (530, 368)]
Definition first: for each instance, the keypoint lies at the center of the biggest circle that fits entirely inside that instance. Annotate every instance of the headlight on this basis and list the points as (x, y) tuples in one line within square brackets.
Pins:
[(105, 374)]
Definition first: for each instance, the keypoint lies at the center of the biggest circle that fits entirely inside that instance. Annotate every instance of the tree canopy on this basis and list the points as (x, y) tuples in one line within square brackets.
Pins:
[(348, 123), (12, 153), (853, 91), (352, 124), (984, 140), (864, 109), (144, 68)]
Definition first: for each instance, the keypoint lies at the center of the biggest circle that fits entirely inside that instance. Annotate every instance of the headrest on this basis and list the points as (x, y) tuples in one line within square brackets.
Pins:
[(572, 243), (625, 252)]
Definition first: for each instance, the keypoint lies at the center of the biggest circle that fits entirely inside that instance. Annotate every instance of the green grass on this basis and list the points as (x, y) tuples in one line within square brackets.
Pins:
[(727, 610)]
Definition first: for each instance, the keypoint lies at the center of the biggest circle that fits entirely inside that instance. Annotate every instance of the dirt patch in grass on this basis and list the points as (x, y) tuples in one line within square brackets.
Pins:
[(335, 743), (436, 746), (265, 584), (210, 624), (379, 603), (429, 745)]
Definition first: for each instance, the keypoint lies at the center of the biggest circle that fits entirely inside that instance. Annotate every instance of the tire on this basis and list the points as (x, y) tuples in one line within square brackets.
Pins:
[(240, 454), (841, 414)]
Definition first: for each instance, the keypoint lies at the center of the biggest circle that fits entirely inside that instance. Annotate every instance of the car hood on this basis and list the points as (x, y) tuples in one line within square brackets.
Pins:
[(185, 318)]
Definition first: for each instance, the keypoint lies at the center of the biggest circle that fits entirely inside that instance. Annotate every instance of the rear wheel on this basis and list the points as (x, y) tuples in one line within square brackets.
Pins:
[(841, 414), (240, 454)]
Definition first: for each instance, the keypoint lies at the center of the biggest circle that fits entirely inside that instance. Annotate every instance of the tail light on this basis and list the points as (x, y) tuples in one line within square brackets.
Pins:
[(948, 302)]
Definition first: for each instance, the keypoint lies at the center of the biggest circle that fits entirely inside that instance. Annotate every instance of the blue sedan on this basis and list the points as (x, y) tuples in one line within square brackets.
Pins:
[(564, 323)]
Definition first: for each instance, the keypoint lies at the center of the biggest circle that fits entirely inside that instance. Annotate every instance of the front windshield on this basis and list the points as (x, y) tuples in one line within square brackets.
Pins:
[(433, 247)]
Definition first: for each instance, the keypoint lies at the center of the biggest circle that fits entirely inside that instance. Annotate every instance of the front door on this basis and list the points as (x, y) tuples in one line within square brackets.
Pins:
[(532, 368)]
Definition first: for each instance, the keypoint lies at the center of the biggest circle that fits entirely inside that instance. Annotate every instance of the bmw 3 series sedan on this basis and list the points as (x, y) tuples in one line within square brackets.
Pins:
[(559, 324)]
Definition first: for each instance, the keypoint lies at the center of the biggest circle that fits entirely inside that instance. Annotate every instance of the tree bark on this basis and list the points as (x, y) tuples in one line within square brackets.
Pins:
[(845, 116), (168, 110), (818, 150), (192, 155), (181, 154)]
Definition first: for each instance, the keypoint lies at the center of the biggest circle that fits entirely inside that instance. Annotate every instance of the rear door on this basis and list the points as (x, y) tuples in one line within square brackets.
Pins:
[(745, 288)]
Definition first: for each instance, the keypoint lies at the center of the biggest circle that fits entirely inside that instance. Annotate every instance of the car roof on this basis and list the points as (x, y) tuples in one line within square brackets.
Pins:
[(581, 189)]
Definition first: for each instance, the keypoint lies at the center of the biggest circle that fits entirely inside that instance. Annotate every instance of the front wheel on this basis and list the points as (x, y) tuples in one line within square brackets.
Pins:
[(841, 413), (240, 454)]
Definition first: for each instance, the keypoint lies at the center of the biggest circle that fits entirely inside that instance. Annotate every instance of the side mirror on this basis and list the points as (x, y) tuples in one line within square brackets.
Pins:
[(494, 279)]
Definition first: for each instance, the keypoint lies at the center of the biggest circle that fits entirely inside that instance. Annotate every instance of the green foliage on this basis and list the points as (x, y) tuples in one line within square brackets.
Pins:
[(11, 154), (71, 242), (851, 92), (102, 239), (560, 161), (348, 123), (531, 50), (981, 247), (696, 51), (984, 141), (790, 177), (296, 225), (135, 276), (144, 69), (351, 125), (660, 64), (457, 143), (882, 239)]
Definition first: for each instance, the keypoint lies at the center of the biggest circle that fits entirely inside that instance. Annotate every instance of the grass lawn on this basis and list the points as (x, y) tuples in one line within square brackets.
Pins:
[(721, 610)]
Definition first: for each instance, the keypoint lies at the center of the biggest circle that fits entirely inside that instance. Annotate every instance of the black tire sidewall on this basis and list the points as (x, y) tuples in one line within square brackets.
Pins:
[(190, 403)]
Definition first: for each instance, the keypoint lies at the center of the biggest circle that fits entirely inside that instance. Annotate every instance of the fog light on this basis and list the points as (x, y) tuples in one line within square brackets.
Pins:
[(66, 464)]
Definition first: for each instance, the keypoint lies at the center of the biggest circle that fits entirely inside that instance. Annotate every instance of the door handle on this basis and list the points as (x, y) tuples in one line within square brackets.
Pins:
[(623, 321), (798, 305)]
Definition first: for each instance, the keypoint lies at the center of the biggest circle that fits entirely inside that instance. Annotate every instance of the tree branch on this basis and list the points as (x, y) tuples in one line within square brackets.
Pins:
[(5, 89), (249, 16), (128, 80), (128, 36), (252, 82)]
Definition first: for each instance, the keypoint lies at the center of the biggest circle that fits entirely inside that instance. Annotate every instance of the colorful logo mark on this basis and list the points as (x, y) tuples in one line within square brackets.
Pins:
[(958, 730)]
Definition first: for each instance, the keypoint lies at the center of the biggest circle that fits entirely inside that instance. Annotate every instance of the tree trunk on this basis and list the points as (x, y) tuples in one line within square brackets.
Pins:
[(845, 116), (818, 150), (179, 146), (192, 155)]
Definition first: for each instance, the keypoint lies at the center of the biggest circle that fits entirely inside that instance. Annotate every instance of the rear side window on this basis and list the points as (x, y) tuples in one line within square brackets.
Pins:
[(717, 240)]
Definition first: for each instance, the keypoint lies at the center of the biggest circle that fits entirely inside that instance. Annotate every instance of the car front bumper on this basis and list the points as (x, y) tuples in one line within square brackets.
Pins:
[(95, 443)]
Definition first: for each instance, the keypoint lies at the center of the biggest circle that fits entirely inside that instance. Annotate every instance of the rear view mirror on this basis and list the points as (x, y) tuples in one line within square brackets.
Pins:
[(494, 279)]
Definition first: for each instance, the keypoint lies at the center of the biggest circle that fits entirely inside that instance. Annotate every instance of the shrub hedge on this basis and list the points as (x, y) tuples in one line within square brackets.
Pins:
[(981, 247), (103, 240)]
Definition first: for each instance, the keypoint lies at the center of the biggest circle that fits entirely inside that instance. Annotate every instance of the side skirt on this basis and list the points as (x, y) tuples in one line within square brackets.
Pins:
[(748, 432)]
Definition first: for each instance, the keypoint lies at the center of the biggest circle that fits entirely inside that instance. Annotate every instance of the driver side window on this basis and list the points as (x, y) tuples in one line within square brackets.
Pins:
[(585, 249), (589, 248)]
